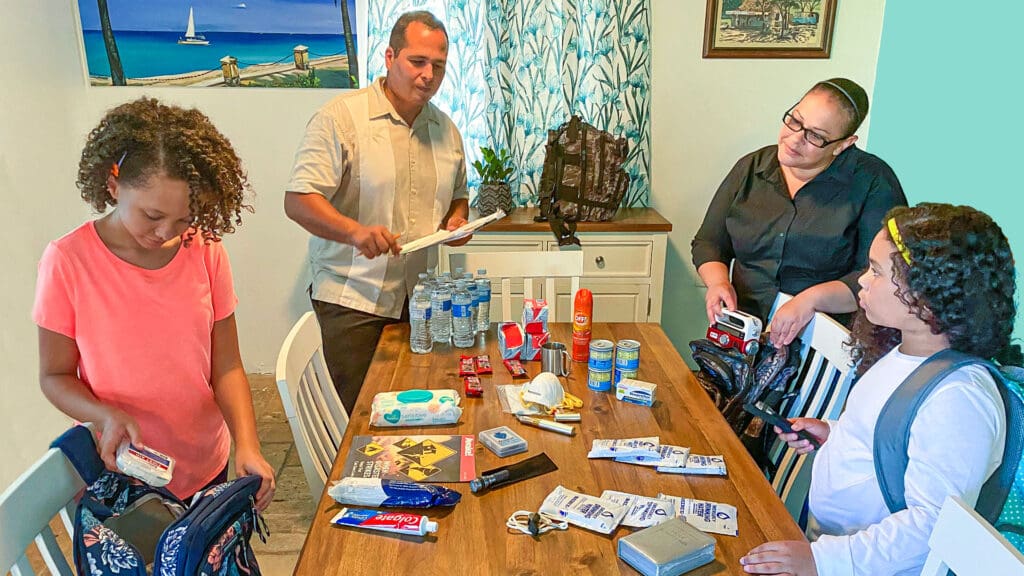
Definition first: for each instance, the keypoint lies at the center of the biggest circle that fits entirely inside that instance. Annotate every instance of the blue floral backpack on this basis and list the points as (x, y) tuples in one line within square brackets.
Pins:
[(1001, 501), (123, 527)]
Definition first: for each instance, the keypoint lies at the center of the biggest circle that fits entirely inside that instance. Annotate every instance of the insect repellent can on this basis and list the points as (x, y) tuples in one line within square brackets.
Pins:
[(601, 354), (599, 380), (627, 354), (620, 373)]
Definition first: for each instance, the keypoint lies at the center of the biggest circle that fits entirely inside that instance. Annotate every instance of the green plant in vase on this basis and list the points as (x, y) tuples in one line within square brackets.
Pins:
[(495, 169)]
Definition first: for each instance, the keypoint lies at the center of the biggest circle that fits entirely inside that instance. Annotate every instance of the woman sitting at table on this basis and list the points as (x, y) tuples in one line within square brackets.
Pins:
[(798, 216)]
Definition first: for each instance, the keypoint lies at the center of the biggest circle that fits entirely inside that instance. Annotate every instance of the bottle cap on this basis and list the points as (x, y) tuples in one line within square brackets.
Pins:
[(481, 271), (431, 526)]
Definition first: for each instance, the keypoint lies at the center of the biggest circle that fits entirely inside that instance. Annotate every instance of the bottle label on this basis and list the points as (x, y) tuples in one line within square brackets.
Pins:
[(461, 310), (420, 314)]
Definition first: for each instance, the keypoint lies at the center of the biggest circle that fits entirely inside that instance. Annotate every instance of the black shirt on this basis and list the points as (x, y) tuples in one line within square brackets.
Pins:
[(789, 245)]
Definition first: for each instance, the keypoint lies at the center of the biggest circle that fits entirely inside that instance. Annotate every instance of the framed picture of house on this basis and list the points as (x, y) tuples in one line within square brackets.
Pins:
[(769, 28)]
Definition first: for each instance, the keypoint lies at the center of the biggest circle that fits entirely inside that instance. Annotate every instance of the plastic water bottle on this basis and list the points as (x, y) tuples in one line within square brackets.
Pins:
[(483, 293), (463, 334), (474, 308), (441, 304), (420, 340)]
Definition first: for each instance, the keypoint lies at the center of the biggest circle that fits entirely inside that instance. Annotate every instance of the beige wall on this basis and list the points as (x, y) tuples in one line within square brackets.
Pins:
[(706, 113)]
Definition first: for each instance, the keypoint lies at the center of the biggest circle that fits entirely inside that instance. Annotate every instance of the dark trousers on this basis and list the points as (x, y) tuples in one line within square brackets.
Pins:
[(350, 339)]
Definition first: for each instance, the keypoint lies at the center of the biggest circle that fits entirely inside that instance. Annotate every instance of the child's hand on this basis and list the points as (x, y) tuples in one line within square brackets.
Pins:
[(252, 463), (817, 428), (787, 557), (114, 428)]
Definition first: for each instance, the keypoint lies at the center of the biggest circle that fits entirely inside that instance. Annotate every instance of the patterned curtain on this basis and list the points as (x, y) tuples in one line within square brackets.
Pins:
[(517, 68)]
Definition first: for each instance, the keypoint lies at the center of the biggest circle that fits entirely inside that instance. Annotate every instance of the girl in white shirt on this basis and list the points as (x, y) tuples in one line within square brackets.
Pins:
[(939, 276)]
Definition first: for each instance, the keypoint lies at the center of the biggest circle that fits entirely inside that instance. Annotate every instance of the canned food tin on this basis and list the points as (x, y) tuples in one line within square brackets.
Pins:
[(599, 380), (627, 354), (601, 354), (621, 373)]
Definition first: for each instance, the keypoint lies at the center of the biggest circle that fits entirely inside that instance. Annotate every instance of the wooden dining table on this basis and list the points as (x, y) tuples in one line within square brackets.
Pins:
[(472, 537)]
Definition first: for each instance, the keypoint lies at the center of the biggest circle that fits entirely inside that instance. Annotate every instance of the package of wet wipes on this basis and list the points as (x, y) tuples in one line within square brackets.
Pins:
[(608, 448), (415, 408), (705, 516), (668, 455), (641, 511), (698, 465)]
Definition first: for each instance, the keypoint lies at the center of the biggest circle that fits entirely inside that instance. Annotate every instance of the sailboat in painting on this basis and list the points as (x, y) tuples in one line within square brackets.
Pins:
[(190, 33)]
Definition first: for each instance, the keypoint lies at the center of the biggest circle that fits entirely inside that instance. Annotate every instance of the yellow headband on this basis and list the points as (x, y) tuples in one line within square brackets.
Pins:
[(898, 240)]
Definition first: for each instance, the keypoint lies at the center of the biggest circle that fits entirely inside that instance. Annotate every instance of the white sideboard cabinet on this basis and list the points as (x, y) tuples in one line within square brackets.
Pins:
[(623, 261)]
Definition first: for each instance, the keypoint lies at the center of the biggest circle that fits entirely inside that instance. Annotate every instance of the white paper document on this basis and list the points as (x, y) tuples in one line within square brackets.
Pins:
[(442, 236)]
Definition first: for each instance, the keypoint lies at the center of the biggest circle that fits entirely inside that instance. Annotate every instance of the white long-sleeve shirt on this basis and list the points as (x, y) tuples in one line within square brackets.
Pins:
[(956, 442)]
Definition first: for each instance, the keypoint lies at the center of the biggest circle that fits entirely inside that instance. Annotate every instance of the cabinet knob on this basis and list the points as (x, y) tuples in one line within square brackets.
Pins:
[(599, 261)]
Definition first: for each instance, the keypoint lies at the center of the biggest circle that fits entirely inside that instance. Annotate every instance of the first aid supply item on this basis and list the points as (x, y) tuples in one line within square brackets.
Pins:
[(607, 448), (503, 441), (559, 427), (582, 510), (635, 391), (152, 467), (668, 549), (415, 408), (397, 522), (698, 465), (705, 516), (668, 456), (379, 492), (642, 511), (510, 340)]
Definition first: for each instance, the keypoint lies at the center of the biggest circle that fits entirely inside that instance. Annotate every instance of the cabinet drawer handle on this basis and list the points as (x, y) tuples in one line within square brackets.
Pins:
[(599, 261)]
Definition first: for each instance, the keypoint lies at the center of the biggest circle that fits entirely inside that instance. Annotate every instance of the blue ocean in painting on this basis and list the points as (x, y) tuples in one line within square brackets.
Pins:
[(145, 54)]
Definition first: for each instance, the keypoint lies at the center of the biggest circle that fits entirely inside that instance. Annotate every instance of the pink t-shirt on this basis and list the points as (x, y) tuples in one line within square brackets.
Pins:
[(144, 338)]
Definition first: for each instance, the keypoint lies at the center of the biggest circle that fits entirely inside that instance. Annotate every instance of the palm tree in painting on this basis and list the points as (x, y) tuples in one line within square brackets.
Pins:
[(350, 45), (116, 72)]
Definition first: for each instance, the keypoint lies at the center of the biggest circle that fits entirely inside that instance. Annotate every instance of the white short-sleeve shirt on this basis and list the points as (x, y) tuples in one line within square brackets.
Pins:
[(374, 168)]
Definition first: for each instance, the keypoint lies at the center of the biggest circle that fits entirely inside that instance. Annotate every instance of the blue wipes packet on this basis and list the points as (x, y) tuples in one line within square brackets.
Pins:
[(379, 492)]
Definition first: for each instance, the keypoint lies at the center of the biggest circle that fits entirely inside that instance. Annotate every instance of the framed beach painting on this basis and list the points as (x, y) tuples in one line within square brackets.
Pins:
[(769, 28), (251, 43)]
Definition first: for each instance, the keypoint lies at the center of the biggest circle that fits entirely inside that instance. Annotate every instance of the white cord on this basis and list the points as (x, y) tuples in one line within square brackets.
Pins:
[(520, 520)]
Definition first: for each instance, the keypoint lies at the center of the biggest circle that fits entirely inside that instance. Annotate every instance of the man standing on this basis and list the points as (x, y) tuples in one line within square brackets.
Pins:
[(377, 165)]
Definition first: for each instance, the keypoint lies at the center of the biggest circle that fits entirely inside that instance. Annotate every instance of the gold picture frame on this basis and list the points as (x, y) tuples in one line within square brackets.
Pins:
[(769, 28)]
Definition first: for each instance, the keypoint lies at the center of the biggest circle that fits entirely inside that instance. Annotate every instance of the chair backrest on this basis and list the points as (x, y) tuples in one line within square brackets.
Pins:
[(315, 413), (962, 541), (821, 387), (508, 266), (45, 490)]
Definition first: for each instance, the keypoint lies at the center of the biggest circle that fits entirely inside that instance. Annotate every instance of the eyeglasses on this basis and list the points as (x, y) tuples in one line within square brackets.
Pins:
[(813, 138)]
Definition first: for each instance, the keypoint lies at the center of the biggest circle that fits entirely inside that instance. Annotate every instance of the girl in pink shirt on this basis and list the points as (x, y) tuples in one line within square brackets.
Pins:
[(136, 309)]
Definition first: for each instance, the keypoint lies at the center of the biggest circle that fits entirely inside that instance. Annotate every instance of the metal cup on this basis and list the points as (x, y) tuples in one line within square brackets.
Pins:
[(555, 358)]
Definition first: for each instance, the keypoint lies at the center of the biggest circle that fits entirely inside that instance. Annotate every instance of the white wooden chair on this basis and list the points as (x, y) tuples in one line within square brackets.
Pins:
[(822, 385), (962, 541), (528, 266), (314, 411), (28, 505)]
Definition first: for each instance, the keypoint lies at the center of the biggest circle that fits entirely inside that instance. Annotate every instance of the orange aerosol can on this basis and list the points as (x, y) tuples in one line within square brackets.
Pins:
[(582, 318)]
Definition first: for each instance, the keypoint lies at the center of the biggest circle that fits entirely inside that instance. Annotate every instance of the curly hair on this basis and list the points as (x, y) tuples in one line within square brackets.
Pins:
[(961, 281), (149, 138)]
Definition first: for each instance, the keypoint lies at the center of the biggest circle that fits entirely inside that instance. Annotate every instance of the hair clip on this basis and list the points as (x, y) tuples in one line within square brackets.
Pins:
[(115, 169), (898, 240)]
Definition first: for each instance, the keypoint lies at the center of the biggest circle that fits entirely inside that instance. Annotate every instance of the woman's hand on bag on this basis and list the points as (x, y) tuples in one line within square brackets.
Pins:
[(718, 296), (789, 320), (115, 427), (817, 428)]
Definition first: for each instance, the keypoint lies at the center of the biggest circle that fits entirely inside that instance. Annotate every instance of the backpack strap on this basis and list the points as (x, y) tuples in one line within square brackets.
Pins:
[(78, 446), (892, 431)]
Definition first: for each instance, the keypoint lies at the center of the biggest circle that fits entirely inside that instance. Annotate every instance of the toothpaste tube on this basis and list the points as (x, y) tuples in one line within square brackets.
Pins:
[(705, 516), (152, 467), (698, 465), (626, 447), (643, 512), (397, 522), (668, 456), (585, 511), (378, 492)]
